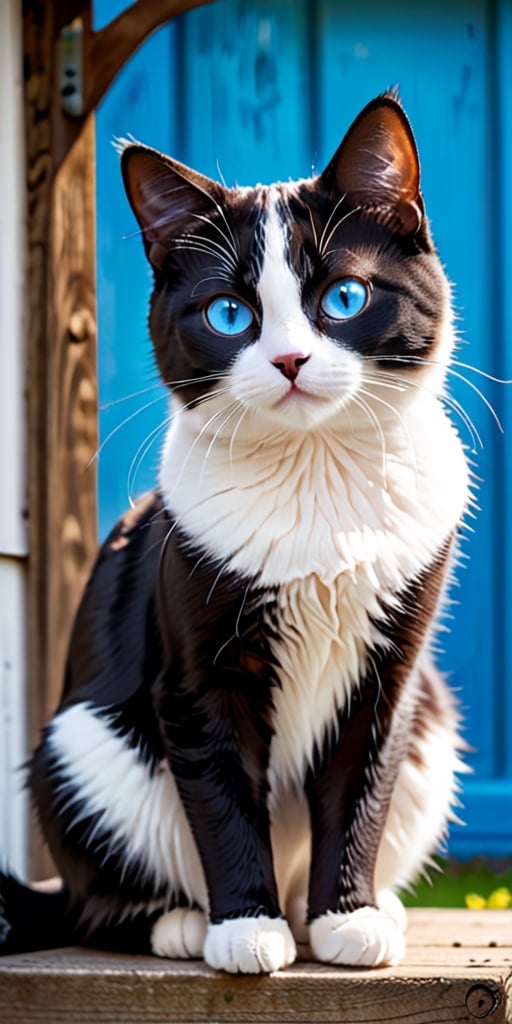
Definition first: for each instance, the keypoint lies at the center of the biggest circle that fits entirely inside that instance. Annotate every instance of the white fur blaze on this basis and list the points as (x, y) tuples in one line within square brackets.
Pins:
[(179, 934), (141, 810), (367, 937), (250, 945)]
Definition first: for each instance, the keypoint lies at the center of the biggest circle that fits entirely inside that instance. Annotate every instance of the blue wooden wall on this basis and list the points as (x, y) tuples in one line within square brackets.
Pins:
[(254, 91)]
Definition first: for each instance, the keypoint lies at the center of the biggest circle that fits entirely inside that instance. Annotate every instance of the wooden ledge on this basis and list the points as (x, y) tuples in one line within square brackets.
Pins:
[(458, 969)]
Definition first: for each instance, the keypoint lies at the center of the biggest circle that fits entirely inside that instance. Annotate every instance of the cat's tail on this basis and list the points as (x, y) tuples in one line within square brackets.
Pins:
[(31, 919)]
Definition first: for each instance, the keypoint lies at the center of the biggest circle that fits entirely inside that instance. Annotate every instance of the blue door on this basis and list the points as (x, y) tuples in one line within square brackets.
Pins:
[(255, 91)]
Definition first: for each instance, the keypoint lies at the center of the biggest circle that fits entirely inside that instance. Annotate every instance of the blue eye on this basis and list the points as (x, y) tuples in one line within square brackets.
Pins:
[(228, 315), (345, 299)]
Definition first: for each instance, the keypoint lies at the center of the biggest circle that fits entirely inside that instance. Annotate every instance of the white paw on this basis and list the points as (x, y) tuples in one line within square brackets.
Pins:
[(393, 907), (179, 934), (249, 945), (367, 937)]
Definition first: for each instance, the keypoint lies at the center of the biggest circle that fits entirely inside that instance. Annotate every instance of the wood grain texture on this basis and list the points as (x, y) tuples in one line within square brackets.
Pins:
[(439, 982), (113, 45), (72, 395), (61, 364), (61, 330)]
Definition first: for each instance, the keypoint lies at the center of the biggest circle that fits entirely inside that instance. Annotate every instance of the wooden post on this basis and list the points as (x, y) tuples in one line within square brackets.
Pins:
[(61, 325), (60, 364)]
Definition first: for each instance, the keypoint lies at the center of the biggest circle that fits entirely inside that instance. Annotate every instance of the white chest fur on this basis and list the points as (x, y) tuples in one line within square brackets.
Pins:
[(279, 507), (331, 519)]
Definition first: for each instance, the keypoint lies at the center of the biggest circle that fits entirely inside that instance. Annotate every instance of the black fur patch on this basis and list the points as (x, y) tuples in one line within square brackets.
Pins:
[(215, 705), (404, 314), (350, 786)]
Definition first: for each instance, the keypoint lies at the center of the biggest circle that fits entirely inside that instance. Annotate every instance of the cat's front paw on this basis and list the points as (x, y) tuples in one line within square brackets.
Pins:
[(390, 903), (249, 945), (367, 937), (179, 934)]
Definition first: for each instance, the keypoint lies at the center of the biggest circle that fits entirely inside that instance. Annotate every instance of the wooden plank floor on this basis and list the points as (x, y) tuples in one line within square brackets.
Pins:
[(458, 968)]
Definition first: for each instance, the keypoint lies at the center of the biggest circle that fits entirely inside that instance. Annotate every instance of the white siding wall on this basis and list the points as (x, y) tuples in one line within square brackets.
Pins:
[(13, 540)]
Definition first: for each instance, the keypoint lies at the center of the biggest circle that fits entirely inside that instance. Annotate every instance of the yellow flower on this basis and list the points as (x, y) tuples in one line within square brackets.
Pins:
[(474, 901), (500, 899)]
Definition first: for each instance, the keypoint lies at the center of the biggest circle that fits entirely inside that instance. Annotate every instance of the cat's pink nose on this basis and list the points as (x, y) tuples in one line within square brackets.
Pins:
[(290, 364)]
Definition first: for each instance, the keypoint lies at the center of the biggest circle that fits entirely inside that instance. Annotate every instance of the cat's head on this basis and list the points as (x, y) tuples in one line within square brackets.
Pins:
[(301, 297)]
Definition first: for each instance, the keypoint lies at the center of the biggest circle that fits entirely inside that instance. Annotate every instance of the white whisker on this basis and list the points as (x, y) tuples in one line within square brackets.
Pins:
[(205, 555), (223, 647), (230, 240), (193, 244), (219, 276), (233, 409), (119, 426), (192, 508), (394, 410), (480, 394), (134, 394), (325, 243), (209, 377), (447, 399), (222, 214), (374, 419), (236, 634), (140, 455), (240, 613), (204, 428), (326, 227), (214, 584), (449, 369), (233, 435), (211, 243), (476, 440), (313, 228), (481, 373), (172, 384)]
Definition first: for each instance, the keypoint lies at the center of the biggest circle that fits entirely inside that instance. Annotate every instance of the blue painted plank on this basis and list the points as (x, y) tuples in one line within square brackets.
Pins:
[(104, 11), (245, 90), (487, 818), (501, 295), (143, 104)]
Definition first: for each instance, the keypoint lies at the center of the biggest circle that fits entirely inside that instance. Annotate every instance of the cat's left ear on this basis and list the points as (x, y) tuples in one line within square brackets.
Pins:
[(377, 163), (165, 197)]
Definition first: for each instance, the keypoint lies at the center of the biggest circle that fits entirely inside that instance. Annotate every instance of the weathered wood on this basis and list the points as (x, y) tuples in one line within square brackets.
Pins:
[(61, 328), (111, 47), (61, 363), (439, 982), (492, 928), (72, 395)]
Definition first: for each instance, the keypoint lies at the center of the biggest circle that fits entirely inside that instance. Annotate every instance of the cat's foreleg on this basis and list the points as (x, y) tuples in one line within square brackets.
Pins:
[(223, 790), (350, 789), (349, 796)]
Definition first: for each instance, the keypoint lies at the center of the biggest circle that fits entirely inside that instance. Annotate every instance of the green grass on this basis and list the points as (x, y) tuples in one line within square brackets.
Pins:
[(449, 887)]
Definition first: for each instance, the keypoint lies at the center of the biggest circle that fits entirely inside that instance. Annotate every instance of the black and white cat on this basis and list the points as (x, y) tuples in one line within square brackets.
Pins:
[(253, 746)]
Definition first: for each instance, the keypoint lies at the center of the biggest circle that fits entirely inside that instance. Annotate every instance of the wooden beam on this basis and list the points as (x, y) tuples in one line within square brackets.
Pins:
[(61, 363), (61, 326), (458, 968), (112, 46)]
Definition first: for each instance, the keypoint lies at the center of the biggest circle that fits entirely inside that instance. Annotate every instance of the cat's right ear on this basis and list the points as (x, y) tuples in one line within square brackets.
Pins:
[(165, 196), (377, 163)]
